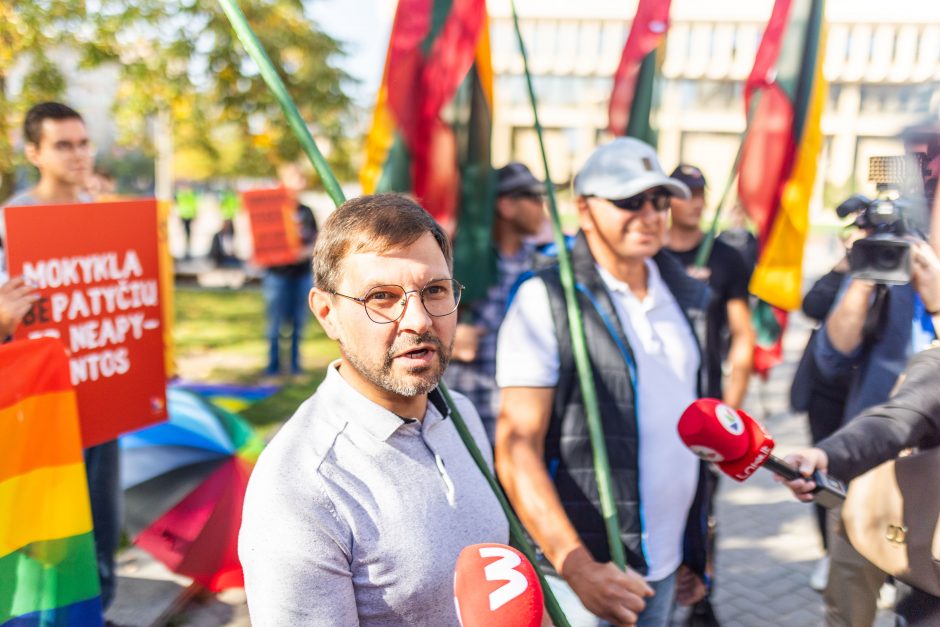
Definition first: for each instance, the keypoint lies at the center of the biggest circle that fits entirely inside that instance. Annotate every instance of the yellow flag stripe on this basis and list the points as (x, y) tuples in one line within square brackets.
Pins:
[(484, 63), (378, 140), (778, 276), (44, 504)]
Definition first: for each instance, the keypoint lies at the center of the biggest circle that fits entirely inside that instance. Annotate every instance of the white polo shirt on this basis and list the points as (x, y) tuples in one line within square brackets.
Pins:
[(667, 363)]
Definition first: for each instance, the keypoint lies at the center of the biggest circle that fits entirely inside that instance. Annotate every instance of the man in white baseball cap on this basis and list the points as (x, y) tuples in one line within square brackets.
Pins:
[(638, 307)]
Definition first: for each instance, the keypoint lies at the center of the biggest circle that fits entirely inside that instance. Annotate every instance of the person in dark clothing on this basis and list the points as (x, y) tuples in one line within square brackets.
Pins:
[(911, 418), (821, 398), (729, 334), (222, 251)]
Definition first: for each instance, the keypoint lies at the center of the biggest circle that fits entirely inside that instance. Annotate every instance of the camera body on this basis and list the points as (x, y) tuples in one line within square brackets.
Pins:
[(891, 220)]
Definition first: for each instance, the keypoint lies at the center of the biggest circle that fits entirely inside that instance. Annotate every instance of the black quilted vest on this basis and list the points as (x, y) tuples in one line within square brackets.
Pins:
[(568, 452)]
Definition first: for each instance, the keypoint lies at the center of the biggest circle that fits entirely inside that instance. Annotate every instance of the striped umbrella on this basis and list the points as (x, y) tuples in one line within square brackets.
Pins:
[(184, 484)]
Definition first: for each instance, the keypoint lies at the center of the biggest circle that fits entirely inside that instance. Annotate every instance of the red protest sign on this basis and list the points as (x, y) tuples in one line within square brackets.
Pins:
[(273, 226), (96, 269)]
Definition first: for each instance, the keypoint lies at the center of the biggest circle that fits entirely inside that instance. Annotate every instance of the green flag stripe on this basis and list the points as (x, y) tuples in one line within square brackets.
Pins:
[(27, 586), (639, 125), (474, 256), (439, 14)]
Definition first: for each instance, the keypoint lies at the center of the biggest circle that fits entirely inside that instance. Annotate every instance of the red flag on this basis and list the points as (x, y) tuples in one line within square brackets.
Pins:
[(648, 29), (420, 82)]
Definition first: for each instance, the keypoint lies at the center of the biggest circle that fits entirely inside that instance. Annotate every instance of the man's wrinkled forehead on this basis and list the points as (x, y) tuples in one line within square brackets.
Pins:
[(378, 263)]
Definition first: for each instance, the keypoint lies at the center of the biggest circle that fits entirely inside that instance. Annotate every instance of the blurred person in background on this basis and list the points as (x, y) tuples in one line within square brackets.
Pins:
[(58, 145), (911, 418), (519, 215), (286, 287)]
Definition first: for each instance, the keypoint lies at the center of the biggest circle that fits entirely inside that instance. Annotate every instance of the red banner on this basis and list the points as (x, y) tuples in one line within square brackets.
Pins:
[(96, 269), (273, 226)]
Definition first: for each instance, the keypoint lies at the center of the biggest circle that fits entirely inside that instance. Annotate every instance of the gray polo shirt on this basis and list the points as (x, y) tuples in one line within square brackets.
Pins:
[(354, 516)]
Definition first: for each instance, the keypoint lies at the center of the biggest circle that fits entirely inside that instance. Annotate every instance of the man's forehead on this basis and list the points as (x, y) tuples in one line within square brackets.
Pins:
[(68, 128), (398, 265)]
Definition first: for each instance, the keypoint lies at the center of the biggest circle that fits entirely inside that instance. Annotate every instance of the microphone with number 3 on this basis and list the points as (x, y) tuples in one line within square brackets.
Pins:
[(495, 584), (738, 445)]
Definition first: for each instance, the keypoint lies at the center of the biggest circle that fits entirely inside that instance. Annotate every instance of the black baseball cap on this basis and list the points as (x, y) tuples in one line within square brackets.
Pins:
[(515, 178), (690, 175)]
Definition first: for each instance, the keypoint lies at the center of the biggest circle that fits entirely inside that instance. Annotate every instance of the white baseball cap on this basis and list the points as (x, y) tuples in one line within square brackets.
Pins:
[(622, 168)]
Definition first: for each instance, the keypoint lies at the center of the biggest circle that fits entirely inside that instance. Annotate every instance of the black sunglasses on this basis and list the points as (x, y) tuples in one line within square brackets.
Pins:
[(659, 199)]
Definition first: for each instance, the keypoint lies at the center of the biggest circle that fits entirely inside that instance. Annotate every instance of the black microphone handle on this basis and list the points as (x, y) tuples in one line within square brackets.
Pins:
[(829, 492), (785, 470)]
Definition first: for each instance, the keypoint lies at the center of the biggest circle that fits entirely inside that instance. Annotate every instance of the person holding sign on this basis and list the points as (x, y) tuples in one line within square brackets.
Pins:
[(358, 509), (286, 286), (58, 145)]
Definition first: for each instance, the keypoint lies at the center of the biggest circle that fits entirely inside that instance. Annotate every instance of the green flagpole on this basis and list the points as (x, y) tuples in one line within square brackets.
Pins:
[(705, 251), (269, 74), (579, 345)]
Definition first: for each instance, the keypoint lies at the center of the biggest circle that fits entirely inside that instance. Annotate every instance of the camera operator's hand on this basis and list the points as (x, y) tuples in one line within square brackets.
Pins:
[(807, 461), (926, 274)]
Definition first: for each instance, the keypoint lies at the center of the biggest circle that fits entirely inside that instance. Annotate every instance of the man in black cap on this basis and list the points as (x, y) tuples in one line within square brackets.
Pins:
[(519, 216), (728, 331)]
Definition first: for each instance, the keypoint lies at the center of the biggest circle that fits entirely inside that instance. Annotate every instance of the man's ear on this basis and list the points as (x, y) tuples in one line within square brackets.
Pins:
[(31, 151), (321, 304), (585, 217)]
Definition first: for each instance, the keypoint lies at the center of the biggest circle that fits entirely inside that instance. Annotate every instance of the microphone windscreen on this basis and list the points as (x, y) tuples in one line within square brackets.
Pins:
[(713, 431), (759, 448), (495, 584)]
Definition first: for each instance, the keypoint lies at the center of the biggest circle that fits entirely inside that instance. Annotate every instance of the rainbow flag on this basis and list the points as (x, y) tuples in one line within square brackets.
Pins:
[(431, 128), (631, 100), (784, 98), (48, 569)]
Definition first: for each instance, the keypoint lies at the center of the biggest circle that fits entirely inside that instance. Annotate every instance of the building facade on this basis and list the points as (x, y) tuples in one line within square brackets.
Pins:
[(882, 64)]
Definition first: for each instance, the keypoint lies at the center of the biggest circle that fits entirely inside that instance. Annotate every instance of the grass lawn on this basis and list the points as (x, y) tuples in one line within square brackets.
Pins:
[(219, 337)]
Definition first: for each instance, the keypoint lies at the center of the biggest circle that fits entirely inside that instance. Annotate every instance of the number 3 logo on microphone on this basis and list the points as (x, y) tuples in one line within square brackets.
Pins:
[(504, 569)]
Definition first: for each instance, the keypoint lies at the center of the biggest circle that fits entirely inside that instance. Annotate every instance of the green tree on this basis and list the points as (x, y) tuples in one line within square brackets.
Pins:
[(182, 56), (29, 30)]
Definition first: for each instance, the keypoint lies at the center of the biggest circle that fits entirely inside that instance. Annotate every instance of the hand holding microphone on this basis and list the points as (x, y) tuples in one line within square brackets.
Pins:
[(739, 446), (810, 462)]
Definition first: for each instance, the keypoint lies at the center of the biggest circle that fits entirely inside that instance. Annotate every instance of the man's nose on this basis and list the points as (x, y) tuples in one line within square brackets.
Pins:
[(415, 317)]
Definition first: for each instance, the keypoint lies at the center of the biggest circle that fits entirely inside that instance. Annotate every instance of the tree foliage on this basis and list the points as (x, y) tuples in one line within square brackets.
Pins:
[(182, 56)]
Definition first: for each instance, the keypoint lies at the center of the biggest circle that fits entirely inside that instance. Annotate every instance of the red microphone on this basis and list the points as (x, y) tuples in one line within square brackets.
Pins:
[(739, 445), (495, 584)]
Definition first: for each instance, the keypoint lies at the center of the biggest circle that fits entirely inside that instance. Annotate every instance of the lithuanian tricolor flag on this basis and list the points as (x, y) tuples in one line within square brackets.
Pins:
[(48, 571), (430, 133), (631, 100), (784, 96)]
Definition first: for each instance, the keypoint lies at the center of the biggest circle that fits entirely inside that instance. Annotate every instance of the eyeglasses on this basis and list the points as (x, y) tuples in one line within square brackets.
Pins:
[(659, 199), (83, 147), (386, 303)]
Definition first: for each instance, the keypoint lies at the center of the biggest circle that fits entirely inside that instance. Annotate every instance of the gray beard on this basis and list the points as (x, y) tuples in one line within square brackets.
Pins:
[(384, 378)]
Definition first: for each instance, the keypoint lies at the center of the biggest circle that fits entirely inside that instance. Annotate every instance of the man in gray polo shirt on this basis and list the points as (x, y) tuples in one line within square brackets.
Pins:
[(357, 510)]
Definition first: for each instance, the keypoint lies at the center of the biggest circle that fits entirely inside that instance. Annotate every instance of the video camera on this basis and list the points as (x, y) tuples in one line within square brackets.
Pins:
[(892, 218)]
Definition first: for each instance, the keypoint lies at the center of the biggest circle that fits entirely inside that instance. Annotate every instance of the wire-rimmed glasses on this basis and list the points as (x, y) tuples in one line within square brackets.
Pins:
[(386, 303)]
